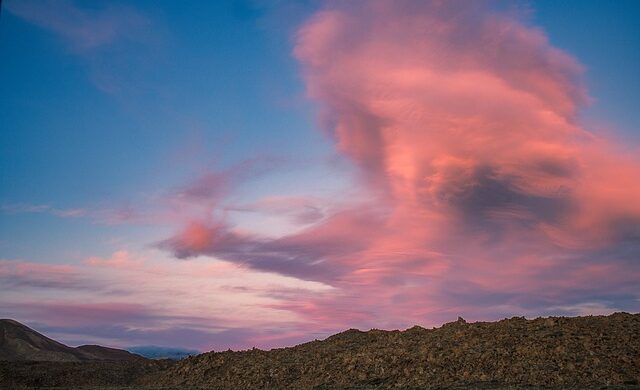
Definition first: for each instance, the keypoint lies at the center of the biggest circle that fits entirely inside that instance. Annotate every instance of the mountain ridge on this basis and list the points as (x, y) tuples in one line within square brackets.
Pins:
[(18, 342)]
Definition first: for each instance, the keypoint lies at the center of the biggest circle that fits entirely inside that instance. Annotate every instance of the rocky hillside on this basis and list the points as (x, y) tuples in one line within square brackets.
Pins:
[(582, 352), (21, 343)]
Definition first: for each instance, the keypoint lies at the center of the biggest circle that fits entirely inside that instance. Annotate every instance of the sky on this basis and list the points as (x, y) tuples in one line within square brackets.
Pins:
[(238, 174)]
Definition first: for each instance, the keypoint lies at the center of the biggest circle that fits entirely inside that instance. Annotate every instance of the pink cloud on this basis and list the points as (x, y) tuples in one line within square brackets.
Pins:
[(18, 275), (489, 197), (316, 253), (119, 259)]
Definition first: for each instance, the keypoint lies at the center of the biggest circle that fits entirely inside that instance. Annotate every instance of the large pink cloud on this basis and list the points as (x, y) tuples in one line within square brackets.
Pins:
[(487, 195)]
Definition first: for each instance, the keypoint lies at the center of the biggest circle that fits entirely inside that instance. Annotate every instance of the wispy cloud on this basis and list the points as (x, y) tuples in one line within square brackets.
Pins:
[(100, 36), (84, 29), (145, 299), (26, 208), (20, 275), (206, 193), (299, 210), (119, 259)]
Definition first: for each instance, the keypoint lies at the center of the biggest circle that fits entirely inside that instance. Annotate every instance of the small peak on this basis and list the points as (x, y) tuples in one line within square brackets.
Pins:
[(459, 322)]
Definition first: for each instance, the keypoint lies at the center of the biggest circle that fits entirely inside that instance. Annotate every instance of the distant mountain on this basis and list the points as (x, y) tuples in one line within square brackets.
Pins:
[(154, 352), (21, 343)]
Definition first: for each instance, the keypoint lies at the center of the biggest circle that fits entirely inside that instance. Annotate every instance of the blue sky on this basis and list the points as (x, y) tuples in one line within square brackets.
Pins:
[(122, 123), (193, 88), (600, 35), (204, 86)]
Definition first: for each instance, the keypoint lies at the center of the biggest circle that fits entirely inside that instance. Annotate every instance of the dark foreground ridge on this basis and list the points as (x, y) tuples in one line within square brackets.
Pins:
[(557, 352)]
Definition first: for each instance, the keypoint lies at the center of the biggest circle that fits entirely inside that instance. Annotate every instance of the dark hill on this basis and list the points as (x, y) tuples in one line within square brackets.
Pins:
[(98, 352), (21, 343)]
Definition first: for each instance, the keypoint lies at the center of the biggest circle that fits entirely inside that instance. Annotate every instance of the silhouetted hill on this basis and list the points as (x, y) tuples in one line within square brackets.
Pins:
[(21, 343), (98, 352)]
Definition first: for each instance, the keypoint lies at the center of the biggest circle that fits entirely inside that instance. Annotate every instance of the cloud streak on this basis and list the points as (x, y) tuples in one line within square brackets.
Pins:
[(83, 29), (130, 299), (117, 43)]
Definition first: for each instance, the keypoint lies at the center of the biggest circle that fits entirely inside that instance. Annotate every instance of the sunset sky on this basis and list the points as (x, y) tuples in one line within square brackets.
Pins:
[(230, 174)]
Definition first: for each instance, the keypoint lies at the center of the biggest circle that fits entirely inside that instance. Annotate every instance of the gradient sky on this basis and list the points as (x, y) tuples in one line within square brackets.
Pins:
[(233, 174)]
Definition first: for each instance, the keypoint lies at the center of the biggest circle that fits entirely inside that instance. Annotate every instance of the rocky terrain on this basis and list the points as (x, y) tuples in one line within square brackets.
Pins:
[(545, 353), (582, 352), (79, 375)]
